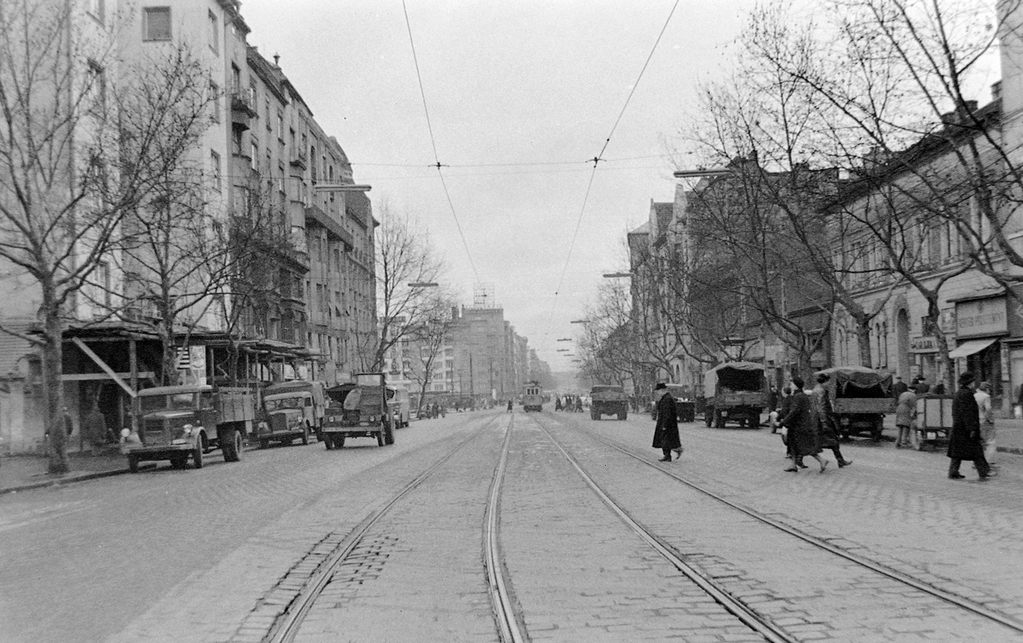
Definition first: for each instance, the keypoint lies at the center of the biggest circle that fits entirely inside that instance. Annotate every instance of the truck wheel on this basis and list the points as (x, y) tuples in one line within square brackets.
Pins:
[(623, 415), (876, 432), (719, 420), (389, 433), (133, 463), (594, 415), (230, 444), (328, 441), (197, 455), (339, 441), (264, 444), (179, 462), (707, 417), (380, 438), (305, 435)]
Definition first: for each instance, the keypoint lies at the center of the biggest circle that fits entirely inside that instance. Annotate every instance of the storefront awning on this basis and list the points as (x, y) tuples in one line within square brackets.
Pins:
[(970, 347)]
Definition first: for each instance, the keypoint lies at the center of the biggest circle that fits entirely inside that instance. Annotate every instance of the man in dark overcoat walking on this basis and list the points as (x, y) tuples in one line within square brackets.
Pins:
[(666, 430), (964, 443), (801, 422)]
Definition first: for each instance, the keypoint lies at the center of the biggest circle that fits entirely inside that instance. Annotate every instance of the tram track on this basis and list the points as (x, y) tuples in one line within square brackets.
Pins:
[(816, 542), (508, 623)]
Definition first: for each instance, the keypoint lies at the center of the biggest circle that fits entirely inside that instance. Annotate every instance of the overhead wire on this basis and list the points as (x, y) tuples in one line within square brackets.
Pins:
[(433, 143), (597, 159)]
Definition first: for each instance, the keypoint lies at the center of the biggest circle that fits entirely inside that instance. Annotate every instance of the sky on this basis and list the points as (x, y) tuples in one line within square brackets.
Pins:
[(520, 93)]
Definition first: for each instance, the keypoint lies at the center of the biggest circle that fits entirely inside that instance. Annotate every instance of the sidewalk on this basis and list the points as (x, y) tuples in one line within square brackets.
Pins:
[(1008, 434), (19, 473)]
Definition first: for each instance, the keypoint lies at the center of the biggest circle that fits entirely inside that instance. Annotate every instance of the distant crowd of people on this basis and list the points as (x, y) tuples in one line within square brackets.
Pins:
[(571, 403)]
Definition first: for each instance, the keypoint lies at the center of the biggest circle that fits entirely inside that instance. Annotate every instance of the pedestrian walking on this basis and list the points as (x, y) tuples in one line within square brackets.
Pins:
[(666, 429), (557, 403), (987, 421), (509, 406), (905, 414), (964, 443), (825, 413), (802, 428)]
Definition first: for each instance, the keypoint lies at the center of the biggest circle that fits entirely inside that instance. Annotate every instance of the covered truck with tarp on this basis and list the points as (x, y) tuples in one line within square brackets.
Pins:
[(734, 392), (861, 398)]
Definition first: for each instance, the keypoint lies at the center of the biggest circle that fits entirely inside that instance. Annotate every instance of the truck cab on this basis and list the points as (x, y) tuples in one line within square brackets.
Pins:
[(291, 411), (361, 408), (181, 422)]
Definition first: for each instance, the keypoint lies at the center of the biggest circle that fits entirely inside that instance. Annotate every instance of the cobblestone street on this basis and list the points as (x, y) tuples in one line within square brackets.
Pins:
[(219, 554)]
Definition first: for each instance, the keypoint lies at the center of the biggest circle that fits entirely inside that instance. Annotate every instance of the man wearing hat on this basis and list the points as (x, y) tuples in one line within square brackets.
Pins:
[(964, 443), (666, 430)]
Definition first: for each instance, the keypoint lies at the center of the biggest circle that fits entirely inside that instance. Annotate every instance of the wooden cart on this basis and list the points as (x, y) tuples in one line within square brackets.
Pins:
[(933, 420)]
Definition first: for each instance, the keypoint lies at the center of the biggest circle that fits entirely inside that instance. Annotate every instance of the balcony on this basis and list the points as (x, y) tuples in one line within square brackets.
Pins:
[(315, 215), (300, 160), (243, 110)]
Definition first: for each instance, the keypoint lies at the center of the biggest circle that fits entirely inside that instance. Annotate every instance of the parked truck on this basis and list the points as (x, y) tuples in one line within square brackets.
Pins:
[(181, 422), (365, 407), (861, 398), (291, 411), (734, 392), (608, 399)]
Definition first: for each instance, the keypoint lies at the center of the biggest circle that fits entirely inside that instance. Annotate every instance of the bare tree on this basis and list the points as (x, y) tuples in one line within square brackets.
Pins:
[(427, 343), (892, 84), (408, 270), (79, 150)]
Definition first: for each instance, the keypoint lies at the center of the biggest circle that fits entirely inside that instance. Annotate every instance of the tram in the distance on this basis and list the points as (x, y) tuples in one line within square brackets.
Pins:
[(532, 397)]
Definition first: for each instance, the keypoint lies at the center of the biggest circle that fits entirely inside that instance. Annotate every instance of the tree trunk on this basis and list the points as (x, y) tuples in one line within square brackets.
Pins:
[(53, 386), (932, 327), (863, 339)]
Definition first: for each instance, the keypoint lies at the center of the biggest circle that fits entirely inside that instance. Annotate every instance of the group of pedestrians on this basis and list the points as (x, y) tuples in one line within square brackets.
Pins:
[(810, 424), (572, 403)]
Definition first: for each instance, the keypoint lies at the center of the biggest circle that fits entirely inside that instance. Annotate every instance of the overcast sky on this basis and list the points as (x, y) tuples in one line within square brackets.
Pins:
[(520, 94)]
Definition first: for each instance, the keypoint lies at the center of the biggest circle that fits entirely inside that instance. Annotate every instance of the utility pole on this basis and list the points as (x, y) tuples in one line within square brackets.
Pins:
[(472, 388)]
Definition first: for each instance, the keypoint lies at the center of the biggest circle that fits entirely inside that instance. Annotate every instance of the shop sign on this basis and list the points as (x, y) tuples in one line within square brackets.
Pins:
[(982, 318), (928, 344)]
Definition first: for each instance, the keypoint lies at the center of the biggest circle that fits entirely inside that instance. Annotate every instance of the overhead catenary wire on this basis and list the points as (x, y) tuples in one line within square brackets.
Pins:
[(597, 159), (433, 143)]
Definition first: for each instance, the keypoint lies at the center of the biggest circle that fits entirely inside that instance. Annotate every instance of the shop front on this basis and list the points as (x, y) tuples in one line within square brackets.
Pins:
[(982, 346)]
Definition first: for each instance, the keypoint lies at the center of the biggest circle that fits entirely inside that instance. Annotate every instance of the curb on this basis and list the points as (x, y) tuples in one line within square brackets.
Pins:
[(80, 477), (92, 475)]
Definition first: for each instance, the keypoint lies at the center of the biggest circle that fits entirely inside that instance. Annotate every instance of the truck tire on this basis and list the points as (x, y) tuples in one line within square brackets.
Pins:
[(719, 420), (305, 435), (708, 417), (380, 438), (594, 415), (339, 441), (133, 463), (264, 444), (622, 415), (231, 444), (197, 455), (328, 441), (179, 461), (389, 433), (877, 431)]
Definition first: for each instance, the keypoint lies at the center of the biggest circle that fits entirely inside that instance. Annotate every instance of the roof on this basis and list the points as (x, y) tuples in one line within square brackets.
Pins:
[(739, 366)]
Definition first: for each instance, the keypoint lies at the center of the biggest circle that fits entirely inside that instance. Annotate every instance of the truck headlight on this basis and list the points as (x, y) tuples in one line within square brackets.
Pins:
[(186, 430)]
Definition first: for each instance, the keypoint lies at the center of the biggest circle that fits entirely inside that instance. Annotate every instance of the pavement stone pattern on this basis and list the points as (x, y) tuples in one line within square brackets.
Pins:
[(418, 573), (829, 506), (580, 574)]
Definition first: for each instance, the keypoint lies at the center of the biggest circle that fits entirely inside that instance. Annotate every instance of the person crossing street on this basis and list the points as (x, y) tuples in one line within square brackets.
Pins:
[(666, 430)]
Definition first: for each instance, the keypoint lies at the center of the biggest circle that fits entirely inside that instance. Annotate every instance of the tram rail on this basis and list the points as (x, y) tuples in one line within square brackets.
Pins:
[(901, 577)]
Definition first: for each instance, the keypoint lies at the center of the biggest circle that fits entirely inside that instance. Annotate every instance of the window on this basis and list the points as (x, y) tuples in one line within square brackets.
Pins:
[(280, 126), (214, 35), (269, 125), (280, 178), (97, 88), (236, 78), (215, 168), (102, 280), (156, 23), (253, 155), (97, 9), (215, 101)]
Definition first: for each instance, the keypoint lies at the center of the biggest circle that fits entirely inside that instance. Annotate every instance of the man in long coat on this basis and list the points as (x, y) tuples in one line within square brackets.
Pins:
[(666, 430), (801, 422), (964, 443)]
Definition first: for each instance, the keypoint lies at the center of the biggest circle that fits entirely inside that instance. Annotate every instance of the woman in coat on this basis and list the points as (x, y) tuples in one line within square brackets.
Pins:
[(905, 413), (666, 430), (964, 441), (802, 427)]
